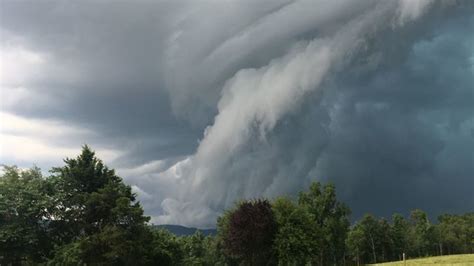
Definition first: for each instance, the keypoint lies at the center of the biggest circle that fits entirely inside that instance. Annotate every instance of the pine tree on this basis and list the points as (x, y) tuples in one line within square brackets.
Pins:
[(96, 214)]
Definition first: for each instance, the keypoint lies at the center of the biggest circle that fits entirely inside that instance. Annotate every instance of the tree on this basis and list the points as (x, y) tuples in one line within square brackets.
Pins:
[(194, 249), (455, 233), (356, 243), (401, 236), (299, 238), (23, 216), (370, 227), (166, 248), (332, 219), (113, 245), (421, 232), (248, 232), (386, 241), (96, 214), (200, 250)]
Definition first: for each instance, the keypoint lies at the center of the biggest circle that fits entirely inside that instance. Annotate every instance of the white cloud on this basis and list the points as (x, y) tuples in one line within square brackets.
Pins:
[(44, 142), (19, 64), (411, 9), (255, 100)]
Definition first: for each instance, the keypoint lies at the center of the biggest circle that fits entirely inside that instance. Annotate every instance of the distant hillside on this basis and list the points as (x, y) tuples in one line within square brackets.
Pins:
[(185, 231)]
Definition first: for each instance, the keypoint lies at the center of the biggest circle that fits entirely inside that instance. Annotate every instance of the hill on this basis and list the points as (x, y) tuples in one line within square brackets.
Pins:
[(185, 231)]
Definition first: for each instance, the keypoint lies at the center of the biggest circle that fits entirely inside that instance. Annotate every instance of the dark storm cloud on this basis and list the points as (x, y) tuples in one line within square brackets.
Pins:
[(205, 103), (103, 71), (397, 143)]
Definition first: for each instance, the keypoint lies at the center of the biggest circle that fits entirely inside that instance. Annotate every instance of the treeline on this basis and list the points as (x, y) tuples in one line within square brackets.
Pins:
[(373, 240), (83, 214)]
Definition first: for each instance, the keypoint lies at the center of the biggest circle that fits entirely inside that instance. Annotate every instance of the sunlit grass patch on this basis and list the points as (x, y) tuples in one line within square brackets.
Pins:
[(458, 260)]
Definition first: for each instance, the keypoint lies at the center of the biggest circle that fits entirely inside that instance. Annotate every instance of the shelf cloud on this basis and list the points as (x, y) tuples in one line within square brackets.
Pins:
[(199, 104)]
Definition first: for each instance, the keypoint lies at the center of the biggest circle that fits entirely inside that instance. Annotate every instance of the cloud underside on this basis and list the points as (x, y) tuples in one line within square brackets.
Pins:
[(199, 105)]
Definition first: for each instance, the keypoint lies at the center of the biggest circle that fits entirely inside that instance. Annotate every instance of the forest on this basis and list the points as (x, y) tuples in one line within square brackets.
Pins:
[(84, 214)]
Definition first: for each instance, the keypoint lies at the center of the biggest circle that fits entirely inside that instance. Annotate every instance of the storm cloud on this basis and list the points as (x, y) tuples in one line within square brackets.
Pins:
[(198, 104)]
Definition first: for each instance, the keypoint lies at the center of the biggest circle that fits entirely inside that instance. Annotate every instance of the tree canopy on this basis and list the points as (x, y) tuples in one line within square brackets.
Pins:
[(84, 214)]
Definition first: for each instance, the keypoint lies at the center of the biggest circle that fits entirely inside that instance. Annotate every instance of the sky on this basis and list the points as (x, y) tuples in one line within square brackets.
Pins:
[(198, 104)]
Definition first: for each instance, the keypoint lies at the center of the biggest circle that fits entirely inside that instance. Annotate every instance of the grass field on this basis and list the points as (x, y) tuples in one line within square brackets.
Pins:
[(458, 260)]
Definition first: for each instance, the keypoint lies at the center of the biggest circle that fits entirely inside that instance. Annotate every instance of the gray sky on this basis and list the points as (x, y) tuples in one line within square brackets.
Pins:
[(200, 103)]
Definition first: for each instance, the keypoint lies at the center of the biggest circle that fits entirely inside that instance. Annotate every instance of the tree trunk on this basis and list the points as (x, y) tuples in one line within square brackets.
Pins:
[(373, 249)]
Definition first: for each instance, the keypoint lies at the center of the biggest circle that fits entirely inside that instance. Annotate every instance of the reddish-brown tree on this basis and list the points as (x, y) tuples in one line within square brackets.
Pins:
[(250, 232)]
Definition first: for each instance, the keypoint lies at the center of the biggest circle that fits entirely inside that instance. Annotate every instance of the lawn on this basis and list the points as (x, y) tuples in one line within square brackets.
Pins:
[(458, 260)]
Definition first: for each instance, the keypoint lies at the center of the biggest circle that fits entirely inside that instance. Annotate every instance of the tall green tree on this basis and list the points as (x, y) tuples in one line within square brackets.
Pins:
[(386, 241), (200, 250), (370, 226), (299, 239), (421, 232), (23, 216), (455, 233), (356, 244), (401, 236), (96, 214), (194, 248), (331, 217), (166, 248)]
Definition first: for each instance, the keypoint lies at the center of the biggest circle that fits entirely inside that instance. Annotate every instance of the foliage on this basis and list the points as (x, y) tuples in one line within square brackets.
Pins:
[(298, 239), (422, 230), (89, 196), (201, 250), (456, 233), (23, 209), (97, 213), (85, 215), (331, 218), (166, 248), (415, 237), (356, 244), (401, 236), (248, 232)]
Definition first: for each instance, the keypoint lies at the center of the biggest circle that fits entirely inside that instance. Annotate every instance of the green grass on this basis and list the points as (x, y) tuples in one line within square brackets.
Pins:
[(458, 260)]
